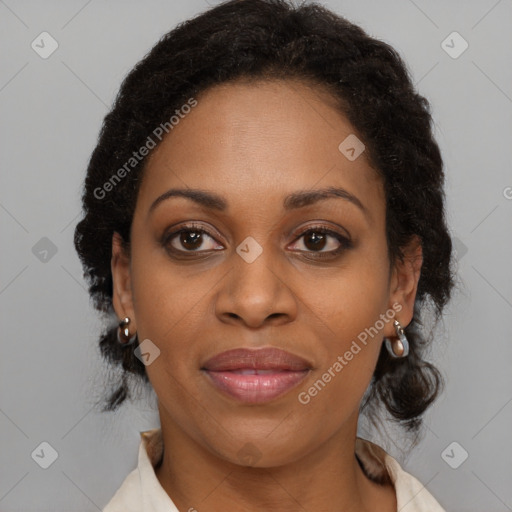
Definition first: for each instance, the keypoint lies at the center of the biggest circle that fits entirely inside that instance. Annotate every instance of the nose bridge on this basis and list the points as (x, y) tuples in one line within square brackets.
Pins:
[(256, 288)]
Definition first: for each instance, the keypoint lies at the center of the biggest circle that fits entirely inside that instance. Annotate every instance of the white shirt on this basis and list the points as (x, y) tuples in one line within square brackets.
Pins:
[(141, 490)]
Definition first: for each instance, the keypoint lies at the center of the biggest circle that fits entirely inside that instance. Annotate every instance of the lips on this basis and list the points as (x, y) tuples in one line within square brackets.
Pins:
[(256, 359), (256, 375)]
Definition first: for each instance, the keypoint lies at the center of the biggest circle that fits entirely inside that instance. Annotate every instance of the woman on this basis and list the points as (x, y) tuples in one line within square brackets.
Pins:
[(264, 217)]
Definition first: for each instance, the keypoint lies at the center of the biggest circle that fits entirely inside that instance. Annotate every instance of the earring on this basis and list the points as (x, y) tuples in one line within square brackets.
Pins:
[(123, 332), (399, 347)]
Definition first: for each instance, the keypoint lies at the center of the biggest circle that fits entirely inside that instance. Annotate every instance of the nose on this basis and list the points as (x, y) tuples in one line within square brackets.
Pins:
[(257, 292)]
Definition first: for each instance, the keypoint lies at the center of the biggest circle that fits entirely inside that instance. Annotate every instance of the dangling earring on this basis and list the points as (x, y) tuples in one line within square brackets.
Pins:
[(123, 332), (399, 347)]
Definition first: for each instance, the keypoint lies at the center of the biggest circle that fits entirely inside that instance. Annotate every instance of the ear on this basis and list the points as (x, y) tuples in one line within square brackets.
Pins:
[(404, 284), (122, 298)]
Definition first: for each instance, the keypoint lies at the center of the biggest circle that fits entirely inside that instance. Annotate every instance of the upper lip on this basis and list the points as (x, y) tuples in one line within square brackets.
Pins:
[(262, 359)]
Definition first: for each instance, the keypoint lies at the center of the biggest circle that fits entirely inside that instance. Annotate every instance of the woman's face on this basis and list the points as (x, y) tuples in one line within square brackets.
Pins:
[(262, 273)]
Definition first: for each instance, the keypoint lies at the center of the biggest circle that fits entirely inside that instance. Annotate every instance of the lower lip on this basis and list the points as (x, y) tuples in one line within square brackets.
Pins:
[(256, 389)]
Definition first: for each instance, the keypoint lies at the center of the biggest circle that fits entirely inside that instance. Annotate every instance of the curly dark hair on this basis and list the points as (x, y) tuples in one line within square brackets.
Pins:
[(267, 40)]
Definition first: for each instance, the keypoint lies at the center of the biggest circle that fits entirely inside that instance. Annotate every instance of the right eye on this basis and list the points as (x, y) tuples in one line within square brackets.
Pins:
[(189, 238)]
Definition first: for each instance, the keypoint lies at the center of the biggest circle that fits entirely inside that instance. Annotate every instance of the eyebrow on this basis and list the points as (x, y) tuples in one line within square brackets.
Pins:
[(299, 199)]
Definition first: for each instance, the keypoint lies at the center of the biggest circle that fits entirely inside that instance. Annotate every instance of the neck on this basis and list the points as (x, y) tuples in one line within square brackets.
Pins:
[(328, 478)]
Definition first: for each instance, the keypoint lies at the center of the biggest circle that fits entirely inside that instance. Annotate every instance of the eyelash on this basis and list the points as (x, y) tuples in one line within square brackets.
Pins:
[(345, 243)]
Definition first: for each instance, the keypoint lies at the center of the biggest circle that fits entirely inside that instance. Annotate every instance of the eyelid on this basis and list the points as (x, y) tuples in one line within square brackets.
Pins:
[(320, 224), (187, 226), (192, 225), (344, 240)]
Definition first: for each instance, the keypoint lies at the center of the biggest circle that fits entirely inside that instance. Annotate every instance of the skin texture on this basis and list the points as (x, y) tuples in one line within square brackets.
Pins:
[(253, 144)]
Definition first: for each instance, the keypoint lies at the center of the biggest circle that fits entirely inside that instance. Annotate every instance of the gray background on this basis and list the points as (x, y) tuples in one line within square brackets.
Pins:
[(50, 371)]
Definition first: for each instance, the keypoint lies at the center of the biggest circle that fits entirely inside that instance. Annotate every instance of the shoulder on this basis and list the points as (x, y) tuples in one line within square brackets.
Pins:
[(141, 491), (128, 497), (411, 494)]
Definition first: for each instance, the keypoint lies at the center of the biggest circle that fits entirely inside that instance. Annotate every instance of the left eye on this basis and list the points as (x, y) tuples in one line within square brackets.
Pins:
[(316, 239)]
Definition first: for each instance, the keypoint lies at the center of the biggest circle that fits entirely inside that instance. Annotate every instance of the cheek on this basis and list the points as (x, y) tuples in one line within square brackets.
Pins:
[(348, 356), (166, 299), (169, 307), (351, 308), (170, 311), (351, 299)]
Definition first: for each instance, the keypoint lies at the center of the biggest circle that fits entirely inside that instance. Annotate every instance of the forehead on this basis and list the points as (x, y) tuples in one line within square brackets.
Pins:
[(257, 140)]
